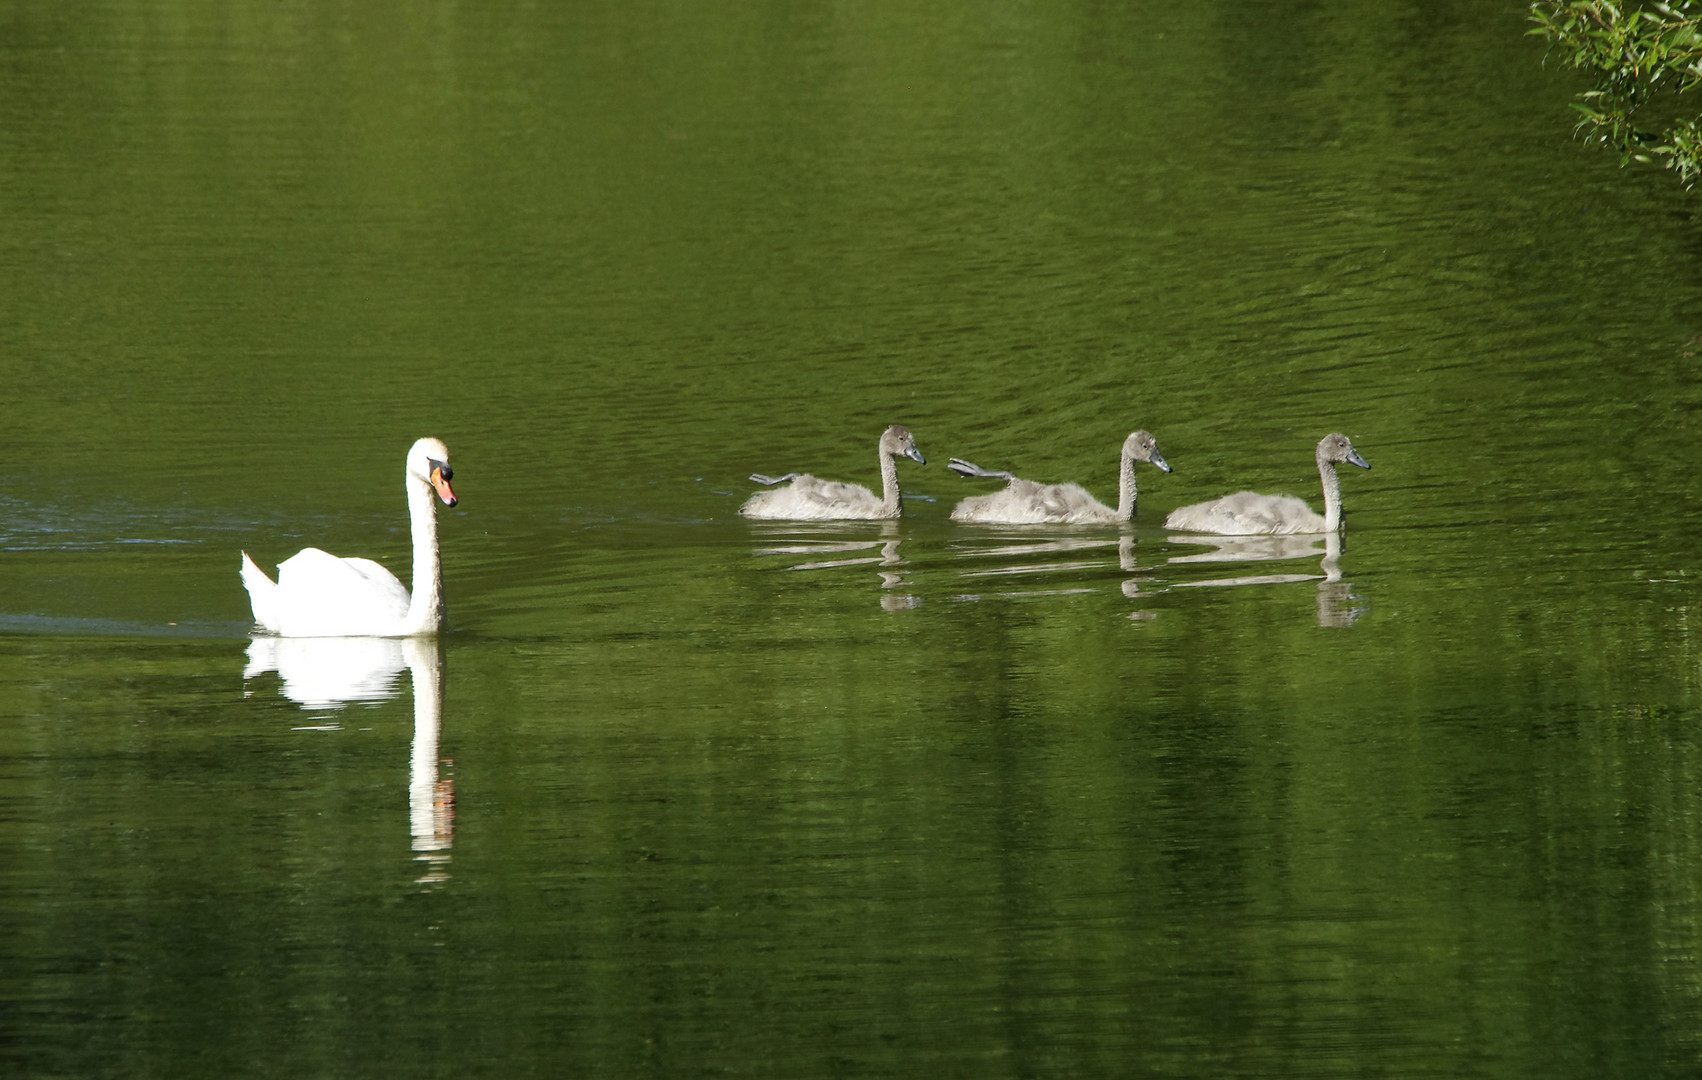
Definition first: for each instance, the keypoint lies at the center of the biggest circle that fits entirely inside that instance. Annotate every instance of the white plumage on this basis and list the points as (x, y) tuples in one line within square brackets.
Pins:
[(320, 595)]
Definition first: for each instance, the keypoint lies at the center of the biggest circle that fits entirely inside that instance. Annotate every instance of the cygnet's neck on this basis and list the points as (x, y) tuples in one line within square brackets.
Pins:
[(425, 605), (1126, 488), (1332, 493), (892, 502)]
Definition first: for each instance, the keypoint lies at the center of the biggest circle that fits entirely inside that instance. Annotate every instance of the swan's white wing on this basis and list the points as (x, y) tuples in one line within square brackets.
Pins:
[(381, 579), (319, 594), (348, 582)]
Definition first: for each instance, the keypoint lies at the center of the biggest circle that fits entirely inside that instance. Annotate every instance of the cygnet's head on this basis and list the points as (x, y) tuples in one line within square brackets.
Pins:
[(896, 442), (1335, 449), (428, 461), (1141, 446)]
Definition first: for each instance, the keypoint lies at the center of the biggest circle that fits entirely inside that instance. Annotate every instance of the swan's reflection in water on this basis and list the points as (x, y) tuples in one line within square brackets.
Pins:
[(1335, 597), (828, 540), (330, 673)]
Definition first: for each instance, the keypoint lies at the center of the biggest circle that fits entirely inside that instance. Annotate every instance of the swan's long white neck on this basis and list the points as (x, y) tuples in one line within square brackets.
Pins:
[(1126, 488), (891, 501), (425, 605), (1332, 493)]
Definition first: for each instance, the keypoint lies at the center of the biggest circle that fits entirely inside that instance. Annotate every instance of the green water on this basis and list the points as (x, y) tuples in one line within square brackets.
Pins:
[(680, 794)]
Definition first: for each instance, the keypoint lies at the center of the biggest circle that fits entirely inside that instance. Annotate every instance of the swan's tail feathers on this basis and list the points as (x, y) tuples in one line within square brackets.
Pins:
[(262, 594), (770, 481), (969, 468)]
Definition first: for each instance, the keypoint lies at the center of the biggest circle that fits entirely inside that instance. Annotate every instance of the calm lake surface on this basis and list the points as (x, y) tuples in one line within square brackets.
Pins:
[(679, 794)]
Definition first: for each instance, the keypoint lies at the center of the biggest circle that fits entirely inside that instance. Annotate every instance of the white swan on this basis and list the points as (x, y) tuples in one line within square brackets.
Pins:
[(1246, 513), (809, 499), (320, 595), (1024, 502)]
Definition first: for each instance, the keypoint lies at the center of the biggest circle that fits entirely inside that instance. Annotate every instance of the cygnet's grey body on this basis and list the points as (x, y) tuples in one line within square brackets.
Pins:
[(809, 499), (1248, 513), (1024, 502)]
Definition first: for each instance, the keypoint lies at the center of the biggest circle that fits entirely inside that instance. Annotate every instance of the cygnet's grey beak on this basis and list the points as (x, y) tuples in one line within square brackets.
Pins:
[(1158, 460), (1353, 456), (914, 454)]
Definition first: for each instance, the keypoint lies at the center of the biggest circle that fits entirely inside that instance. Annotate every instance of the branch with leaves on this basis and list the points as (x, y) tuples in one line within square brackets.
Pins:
[(1643, 59)]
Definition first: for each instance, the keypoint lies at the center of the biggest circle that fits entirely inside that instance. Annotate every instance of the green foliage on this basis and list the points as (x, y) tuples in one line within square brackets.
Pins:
[(1642, 58)]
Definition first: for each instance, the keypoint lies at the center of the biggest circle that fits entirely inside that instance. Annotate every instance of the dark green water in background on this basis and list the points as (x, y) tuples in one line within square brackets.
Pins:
[(710, 797)]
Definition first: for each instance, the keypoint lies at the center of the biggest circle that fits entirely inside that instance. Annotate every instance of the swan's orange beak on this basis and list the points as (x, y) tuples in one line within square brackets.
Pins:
[(440, 474)]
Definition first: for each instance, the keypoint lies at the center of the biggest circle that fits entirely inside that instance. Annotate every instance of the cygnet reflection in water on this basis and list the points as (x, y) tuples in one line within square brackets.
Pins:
[(1250, 548), (1025, 548), (330, 673), (1033, 561), (1335, 598), (1242, 549), (1133, 586), (887, 543)]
